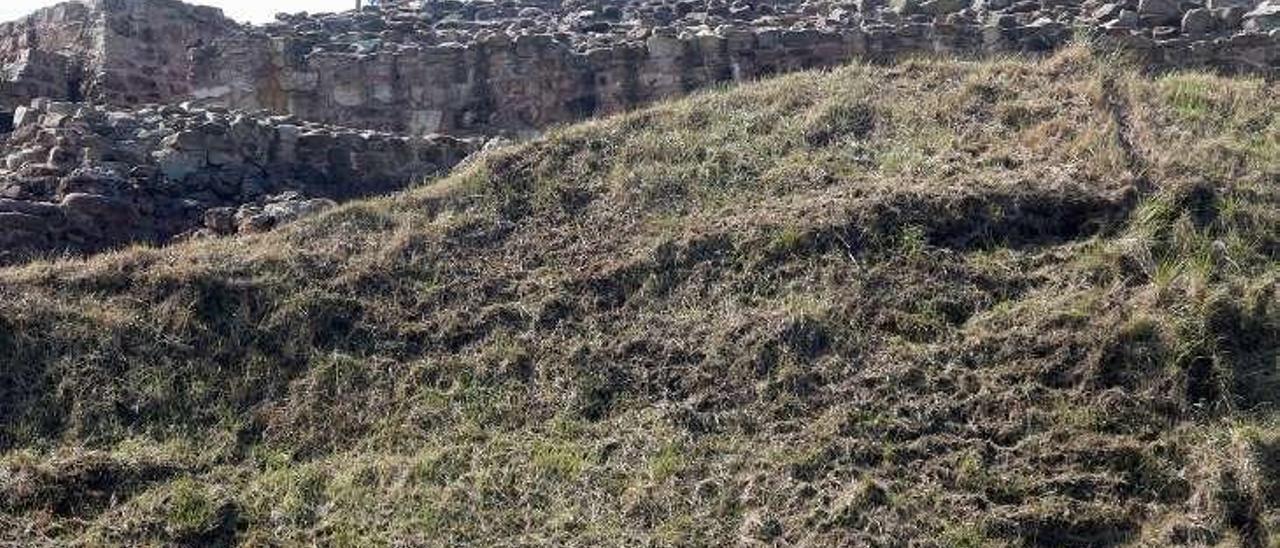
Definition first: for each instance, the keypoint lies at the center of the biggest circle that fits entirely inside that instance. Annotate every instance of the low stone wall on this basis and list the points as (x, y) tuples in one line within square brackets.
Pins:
[(84, 178), (1241, 53)]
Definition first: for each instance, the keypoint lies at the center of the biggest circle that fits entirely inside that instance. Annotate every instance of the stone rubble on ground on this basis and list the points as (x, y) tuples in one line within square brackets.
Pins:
[(82, 177)]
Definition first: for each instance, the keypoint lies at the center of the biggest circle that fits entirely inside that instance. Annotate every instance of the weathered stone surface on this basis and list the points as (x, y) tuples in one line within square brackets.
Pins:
[(220, 220), (521, 66), (1125, 20), (118, 51), (1106, 12), (1197, 21), (277, 210), (1159, 12), (1264, 18), (100, 178), (1246, 5), (942, 7), (518, 66)]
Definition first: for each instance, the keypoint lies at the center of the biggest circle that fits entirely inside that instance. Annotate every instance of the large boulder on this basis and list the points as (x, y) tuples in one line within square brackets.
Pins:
[(904, 7), (98, 209), (100, 221)]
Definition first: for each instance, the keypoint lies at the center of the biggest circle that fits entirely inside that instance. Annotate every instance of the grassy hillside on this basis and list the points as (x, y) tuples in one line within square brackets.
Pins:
[(960, 304)]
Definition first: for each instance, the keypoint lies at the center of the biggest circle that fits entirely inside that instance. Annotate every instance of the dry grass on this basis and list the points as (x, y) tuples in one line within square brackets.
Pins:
[(963, 304)]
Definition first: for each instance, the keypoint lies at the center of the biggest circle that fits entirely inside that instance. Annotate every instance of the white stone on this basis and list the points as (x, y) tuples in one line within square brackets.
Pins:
[(23, 116)]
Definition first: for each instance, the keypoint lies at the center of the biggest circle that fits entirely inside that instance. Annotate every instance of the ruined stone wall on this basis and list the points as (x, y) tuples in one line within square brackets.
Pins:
[(114, 51), (145, 53), (502, 83), (85, 178), (517, 66), (1243, 53), (70, 28), (37, 53), (485, 68)]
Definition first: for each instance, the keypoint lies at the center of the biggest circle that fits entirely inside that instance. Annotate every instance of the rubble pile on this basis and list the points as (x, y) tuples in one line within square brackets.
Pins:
[(84, 178)]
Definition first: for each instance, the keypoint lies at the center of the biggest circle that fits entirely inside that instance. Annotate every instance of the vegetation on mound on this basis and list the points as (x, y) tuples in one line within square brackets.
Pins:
[(960, 304)]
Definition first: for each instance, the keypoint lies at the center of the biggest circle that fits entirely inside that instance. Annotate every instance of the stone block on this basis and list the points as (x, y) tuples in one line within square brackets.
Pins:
[(939, 8), (1246, 5), (349, 94), (177, 165), (96, 209), (664, 46), (1197, 21), (423, 122), (1160, 12), (11, 220), (24, 116)]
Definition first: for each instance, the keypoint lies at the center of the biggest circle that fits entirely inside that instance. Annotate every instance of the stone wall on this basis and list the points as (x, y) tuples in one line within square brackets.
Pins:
[(500, 81), (517, 66), (115, 51), (483, 67), (83, 178), (37, 54)]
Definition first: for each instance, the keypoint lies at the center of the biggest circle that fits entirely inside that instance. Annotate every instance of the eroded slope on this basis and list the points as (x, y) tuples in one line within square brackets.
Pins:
[(961, 304)]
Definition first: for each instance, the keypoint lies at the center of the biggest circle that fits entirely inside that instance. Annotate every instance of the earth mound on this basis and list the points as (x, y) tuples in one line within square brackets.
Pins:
[(943, 303)]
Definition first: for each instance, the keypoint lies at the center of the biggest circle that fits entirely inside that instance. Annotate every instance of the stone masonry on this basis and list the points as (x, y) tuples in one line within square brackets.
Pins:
[(78, 177), (516, 66), (521, 65), (119, 51)]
